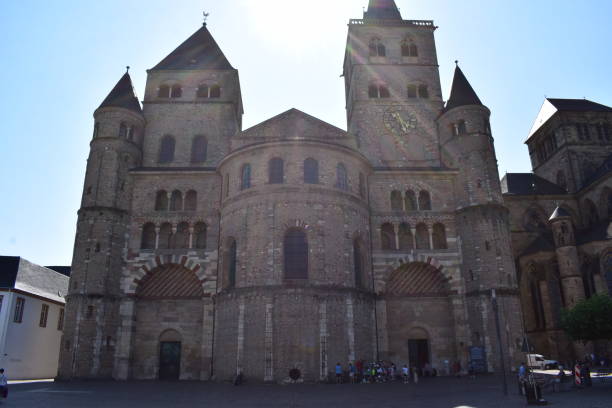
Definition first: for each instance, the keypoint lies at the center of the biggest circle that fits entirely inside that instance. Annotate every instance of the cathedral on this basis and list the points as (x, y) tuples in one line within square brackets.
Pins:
[(204, 250)]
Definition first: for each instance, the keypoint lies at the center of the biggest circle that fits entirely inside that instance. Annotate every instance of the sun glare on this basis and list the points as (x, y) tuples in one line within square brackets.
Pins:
[(299, 25)]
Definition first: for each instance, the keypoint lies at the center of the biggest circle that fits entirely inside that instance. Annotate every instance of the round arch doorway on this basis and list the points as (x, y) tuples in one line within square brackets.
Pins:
[(418, 348), (170, 355)]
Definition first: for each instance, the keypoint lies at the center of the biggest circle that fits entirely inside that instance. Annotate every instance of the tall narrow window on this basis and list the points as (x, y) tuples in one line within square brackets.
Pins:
[(166, 150), (409, 49), (341, 177), (373, 91), (424, 201), (296, 254), (181, 238), (410, 201), (422, 237), (387, 237), (378, 91), (202, 91), (165, 236), (161, 201), (423, 91), (358, 263), (609, 202), (245, 178), (176, 91), (461, 128), (19, 306), (538, 307), (383, 91), (191, 201), (275, 170), (412, 91), (199, 146), (176, 201), (44, 313), (163, 92), (561, 181), (439, 236), (396, 201), (377, 48), (96, 129), (406, 241), (123, 131), (215, 91), (231, 263), (148, 236), (131, 132), (60, 319), (199, 239), (311, 171)]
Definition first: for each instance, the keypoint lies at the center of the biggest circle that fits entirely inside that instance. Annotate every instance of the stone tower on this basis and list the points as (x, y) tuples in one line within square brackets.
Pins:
[(393, 92), (482, 220), (92, 307)]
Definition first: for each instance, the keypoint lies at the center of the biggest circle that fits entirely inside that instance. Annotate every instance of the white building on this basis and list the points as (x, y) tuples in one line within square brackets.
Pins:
[(31, 318)]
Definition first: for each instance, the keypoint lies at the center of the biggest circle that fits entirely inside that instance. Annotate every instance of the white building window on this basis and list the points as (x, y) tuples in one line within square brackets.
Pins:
[(60, 320), (44, 313), (19, 306)]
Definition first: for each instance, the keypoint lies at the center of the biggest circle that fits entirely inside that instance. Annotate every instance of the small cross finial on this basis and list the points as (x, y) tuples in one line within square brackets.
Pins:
[(127, 69), (205, 16), (457, 62)]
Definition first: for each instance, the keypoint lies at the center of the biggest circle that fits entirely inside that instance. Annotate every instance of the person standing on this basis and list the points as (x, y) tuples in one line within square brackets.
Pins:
[(405, 373), (3, 384), (522, 377), (415, 375), (338, 373), (352, 373)]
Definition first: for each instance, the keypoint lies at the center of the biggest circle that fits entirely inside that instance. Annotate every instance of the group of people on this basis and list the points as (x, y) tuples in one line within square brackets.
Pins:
[(380, 372)]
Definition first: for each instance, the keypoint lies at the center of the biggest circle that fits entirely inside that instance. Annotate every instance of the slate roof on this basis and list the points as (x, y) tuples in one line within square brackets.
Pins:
[(382, 10), (18, 273), (417, 279), (200, 51), (462, 92), (604, 169), (64, 270), (122, 96), (528, 184)]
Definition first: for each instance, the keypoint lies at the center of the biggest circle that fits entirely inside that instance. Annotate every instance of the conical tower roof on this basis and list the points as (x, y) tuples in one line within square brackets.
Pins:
[(122, 96), (559, 213), (462, 92), (382, 10), (200, 51)]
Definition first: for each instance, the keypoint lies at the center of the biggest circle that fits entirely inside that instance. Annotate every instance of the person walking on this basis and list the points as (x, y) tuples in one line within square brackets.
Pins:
[(405, 373), (3, 384), (338, 373), (522, 378)]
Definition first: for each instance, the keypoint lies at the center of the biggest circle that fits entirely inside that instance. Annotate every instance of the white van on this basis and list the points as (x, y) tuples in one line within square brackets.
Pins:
[(538, 361)]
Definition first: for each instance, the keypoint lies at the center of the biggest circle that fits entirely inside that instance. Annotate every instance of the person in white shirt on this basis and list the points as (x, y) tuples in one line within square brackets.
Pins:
[(3, 384)]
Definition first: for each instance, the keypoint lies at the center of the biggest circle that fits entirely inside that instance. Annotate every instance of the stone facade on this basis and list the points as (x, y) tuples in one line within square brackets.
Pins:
[(204, 250)]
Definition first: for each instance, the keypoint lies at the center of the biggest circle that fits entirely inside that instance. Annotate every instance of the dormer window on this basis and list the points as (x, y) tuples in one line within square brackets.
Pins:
[(409, 49), (378, 91), (377, 48), (205, 91)]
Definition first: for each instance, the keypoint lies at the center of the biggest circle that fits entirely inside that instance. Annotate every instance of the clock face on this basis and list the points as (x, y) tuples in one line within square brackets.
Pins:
[(400, 122)]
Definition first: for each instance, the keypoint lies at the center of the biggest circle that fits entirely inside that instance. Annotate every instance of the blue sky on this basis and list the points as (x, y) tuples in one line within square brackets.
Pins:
[(61, 58)]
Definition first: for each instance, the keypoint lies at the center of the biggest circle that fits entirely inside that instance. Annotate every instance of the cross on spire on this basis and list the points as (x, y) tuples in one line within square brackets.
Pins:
[(205, 14)]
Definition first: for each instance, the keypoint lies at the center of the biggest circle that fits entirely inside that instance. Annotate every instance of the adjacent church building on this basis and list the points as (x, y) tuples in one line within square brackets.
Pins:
[(204, 249)]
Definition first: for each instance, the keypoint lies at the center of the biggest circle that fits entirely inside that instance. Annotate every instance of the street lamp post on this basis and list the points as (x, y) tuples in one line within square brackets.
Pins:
[(499, 340)]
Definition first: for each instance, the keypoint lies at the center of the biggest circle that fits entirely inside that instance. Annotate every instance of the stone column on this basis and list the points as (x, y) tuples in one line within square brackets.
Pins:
[(323, 339), (396, 234), (413, 231), (350, 329), (207, 338), (430, 233), (123, 352), (156, 236), (240, 345), (269, 343)]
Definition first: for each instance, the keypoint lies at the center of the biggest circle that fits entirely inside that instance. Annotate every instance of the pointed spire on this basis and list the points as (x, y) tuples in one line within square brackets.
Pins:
[(462, 92), (382, 10), (200, 51), (123, 95)]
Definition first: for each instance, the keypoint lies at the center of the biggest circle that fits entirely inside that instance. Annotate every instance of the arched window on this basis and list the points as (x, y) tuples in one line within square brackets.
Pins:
[(439, 236), (358, 263), (609, 199), (396, 201), (215, 91), (362, 185), (311, 171), (245, 177), (406, 241), (191, 201), (123, 130), (409, 49), (166, 149), (378, 91), (423, 91), (377, 49), (424, 201), (461, 128), (230, 265), (202, 91), (180, 240), (296, 254), (161, 201), (148, 236), (412, 91), (538, 306), (561, 181), (341, 177), (176, 201), (165, 236), (176, 91), (410, 201), (199, 146), (387, 237), (275, 171), (592, 217), (131, 132), (199, 236), (588, 280), (163, 91), (422, 237)]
